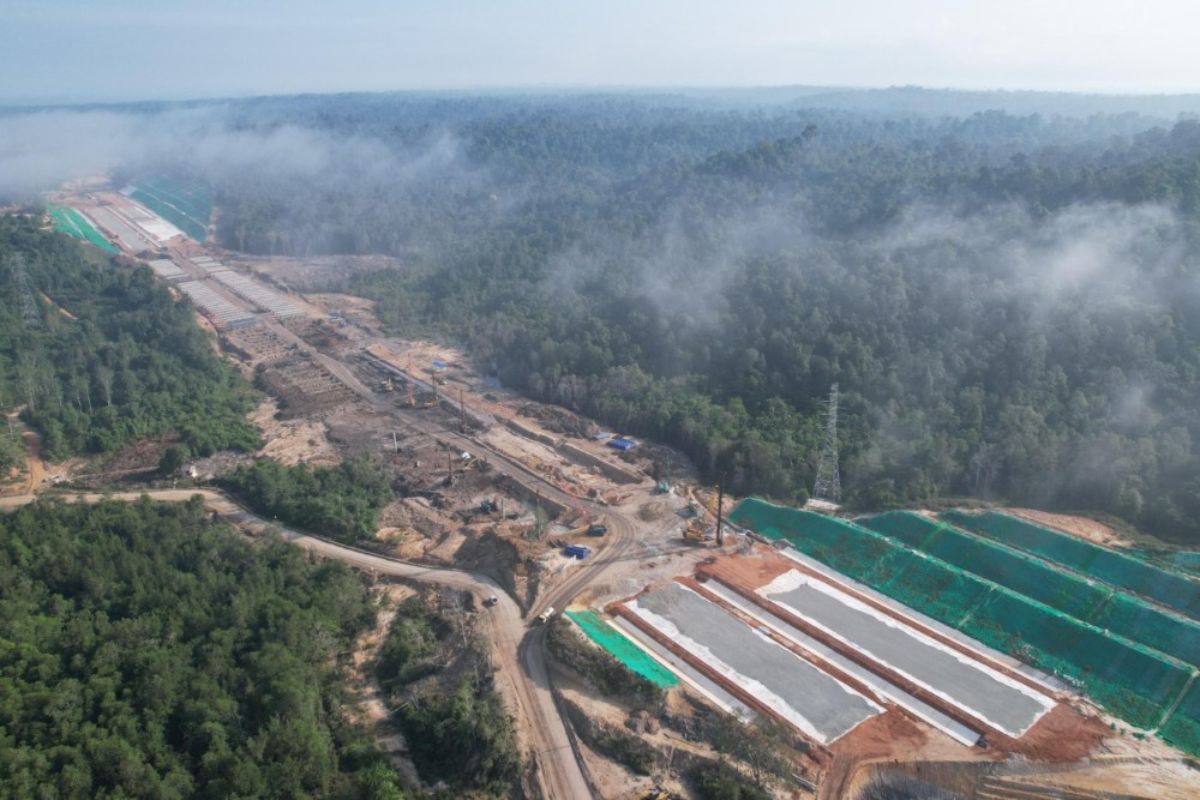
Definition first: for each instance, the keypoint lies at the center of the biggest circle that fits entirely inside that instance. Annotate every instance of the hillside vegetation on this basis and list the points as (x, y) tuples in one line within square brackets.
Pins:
[(150, 653), (1009, 304), (98, 355), (341, 502)]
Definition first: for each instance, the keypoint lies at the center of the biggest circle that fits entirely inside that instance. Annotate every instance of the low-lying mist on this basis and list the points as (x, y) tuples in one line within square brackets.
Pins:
[(1011, 305)]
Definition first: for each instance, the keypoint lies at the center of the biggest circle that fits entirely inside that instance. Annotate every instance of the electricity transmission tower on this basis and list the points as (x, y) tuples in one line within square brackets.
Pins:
[(29, 308), (828, 485)]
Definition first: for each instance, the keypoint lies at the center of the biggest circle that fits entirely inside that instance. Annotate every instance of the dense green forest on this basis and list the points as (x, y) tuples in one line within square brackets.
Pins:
[(341, 502), (148, 652), (99, 356), (1008, 300), (1009, 303)]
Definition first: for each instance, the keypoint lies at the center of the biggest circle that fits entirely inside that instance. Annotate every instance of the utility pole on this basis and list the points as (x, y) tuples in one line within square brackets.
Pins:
[(462, 413), (450, 465), (395, 444), (720, 513), (828, 485), (412, 401)]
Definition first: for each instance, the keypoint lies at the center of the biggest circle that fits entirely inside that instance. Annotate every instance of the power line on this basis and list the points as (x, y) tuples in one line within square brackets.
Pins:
[(828, 485)]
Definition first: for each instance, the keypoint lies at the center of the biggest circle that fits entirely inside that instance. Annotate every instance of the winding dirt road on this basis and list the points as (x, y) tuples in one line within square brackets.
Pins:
[(518, 651), (521, 661)]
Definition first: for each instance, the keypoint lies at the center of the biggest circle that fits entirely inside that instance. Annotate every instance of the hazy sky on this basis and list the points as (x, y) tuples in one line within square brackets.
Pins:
[(74, 50)]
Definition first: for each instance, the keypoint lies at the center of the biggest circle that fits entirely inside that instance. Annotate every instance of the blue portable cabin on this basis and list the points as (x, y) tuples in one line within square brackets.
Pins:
[(577, 551)]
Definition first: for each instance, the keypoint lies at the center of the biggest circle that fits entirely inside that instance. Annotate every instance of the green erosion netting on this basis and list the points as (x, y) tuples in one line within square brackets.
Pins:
[(1183, 727), (1187, 561), (187, 208), (72, 223), (1103, 606), (622, 649), (1022, 573), (1134, 618), (1169, 588), (1134, 682)]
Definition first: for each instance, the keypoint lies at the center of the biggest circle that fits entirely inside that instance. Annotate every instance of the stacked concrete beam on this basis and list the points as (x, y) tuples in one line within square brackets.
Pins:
[(167, 269), (253, 291), (220, 311)]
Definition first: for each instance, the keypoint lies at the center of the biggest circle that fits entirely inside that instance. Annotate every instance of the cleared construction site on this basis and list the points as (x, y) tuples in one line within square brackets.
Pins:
[(1006, 637), (898, 641)]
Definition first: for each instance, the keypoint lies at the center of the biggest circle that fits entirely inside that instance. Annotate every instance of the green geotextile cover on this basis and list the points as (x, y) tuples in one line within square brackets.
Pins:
[(1132, 681), (1102, 605), (71, 222), (622, 649), (1183, 728), (186, 207), (1172, 589)]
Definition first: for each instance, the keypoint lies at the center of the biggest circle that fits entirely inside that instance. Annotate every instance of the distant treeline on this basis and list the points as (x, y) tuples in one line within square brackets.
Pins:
[(1010, 304)]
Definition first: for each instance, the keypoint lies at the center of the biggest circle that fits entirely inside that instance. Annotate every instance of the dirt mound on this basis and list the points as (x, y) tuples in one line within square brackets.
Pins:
[(1081, 527), (1063, 734)]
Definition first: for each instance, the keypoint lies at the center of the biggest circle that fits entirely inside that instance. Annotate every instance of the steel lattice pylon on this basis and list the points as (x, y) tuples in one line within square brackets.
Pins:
[(29, 308), (828, 485)]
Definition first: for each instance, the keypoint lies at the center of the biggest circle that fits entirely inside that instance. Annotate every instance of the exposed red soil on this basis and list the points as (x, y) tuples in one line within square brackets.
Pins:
[(1063, 734), (1080, 527)]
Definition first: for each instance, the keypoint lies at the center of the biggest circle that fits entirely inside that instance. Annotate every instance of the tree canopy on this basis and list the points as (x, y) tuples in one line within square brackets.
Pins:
[(148, 652), (99, 355), (341, 502)]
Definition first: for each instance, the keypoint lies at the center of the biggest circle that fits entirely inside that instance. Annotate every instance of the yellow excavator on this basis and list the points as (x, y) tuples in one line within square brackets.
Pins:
[(697, 531), (699, 528)]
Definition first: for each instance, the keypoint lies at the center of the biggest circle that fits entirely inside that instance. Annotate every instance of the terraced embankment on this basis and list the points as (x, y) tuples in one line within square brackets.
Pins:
[(71, 222), (1145, 686), (186, 207)]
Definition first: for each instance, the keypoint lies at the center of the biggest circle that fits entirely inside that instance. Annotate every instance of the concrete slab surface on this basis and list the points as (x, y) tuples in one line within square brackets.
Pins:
[(1045, 679), (131, 239), (701, 683), (985, 693), (952, 728), (798, 691)]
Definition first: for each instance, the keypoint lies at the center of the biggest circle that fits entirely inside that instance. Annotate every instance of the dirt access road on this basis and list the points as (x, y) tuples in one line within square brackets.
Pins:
[(521, 664), (622, 529)]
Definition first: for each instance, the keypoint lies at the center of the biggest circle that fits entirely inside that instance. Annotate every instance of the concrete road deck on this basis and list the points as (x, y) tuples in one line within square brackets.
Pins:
[(813, 700), (986, 694)]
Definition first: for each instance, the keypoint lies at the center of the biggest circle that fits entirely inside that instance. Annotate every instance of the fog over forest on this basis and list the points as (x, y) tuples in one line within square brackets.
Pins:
[(1009, 299)]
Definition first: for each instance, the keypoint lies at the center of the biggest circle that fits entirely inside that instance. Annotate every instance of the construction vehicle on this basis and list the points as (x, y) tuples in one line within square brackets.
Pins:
[(697, 531), (387, 385), (700, 530), (589, 528), (657, 793)]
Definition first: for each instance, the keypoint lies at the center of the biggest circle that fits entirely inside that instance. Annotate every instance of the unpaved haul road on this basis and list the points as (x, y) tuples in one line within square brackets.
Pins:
[(520, 652), (558, 769)]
